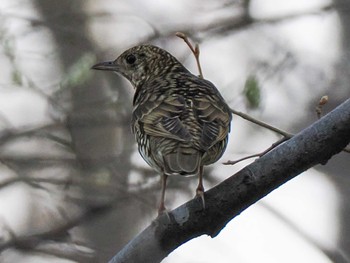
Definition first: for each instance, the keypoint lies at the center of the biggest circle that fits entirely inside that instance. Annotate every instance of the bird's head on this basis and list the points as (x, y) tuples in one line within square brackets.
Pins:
[(140, 63)]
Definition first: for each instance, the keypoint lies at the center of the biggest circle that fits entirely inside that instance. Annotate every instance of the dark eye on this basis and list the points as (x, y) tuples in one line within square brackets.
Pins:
[(130, 59)]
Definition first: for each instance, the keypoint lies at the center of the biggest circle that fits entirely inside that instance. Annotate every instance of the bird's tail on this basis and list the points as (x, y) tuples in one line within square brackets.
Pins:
[(184, 162)]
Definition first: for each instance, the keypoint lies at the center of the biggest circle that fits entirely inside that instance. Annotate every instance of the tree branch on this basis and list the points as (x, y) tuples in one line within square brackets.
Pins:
[(33, 240), (314, 145)]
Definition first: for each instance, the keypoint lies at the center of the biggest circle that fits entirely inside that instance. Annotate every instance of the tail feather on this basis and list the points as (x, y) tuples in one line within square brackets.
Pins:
[(182, 162)]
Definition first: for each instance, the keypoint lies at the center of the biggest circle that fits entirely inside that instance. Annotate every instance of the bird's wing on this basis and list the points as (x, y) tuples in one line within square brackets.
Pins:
[(214, 116), (160, 117), (204, 118)]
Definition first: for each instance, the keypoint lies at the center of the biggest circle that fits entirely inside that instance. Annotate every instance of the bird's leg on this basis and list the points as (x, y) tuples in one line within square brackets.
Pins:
[(200, 188), (161, 208)]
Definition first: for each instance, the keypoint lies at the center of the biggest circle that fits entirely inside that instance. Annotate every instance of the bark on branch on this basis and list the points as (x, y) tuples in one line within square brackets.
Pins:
[(314, 145)]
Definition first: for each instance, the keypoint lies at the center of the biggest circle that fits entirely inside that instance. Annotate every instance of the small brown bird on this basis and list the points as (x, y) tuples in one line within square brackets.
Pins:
[(180, 121)]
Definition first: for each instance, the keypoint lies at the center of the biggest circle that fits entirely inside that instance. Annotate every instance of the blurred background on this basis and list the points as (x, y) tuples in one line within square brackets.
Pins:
[(73, 187)]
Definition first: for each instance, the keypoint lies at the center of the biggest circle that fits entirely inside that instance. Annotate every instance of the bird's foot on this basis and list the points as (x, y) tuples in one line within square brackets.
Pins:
[(161, 208), (163, 211), (200, 194)]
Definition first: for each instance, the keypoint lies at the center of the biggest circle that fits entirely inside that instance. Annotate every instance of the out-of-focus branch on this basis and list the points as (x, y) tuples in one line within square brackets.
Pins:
[(334, 254), (34, 240), (12, 133), (314, 145), (227, 25)]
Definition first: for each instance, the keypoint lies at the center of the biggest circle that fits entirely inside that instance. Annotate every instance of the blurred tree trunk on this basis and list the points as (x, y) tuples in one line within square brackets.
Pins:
[(100, 144)]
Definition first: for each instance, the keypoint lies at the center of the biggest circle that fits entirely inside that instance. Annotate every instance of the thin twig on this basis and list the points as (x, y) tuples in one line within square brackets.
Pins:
[(262, 124), (321, 103), (195, 51), (242, 159), (258, 154)]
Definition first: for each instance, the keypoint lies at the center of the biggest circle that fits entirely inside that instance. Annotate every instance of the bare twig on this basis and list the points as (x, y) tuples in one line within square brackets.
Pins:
[(262, 124), (258, 154), (321, 103), (286, 136), (195, 50)]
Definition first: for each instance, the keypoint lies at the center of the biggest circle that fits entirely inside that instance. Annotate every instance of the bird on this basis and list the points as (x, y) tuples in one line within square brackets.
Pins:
[(180, 121)]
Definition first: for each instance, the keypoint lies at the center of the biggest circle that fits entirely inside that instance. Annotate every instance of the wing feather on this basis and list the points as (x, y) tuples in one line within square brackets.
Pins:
[(201, 118), (162, 119)]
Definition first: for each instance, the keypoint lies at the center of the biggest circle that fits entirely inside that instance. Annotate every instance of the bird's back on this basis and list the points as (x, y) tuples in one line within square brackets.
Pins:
[(181, 122)]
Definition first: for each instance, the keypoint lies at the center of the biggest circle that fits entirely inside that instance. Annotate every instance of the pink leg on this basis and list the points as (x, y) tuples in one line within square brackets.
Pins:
[(200, 188), (161, 208)]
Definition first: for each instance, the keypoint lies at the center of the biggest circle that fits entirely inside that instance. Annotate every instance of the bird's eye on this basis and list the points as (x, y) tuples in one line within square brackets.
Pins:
[(130, 59)]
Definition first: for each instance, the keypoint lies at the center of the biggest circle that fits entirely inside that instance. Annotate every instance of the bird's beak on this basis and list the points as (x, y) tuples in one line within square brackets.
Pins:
[(109, 65)]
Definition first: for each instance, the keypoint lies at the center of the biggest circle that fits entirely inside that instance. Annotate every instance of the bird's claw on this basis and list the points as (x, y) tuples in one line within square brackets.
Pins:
[(162, 211), (200, 194)]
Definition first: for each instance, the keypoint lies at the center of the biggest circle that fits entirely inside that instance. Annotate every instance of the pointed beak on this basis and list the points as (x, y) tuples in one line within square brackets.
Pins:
[(109, 65)]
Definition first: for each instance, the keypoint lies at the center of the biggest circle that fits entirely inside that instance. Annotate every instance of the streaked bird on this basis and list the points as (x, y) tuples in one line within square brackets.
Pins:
[(180, 121)]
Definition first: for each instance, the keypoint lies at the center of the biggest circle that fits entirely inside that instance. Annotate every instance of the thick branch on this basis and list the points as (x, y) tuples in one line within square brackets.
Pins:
[(314, 145)]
